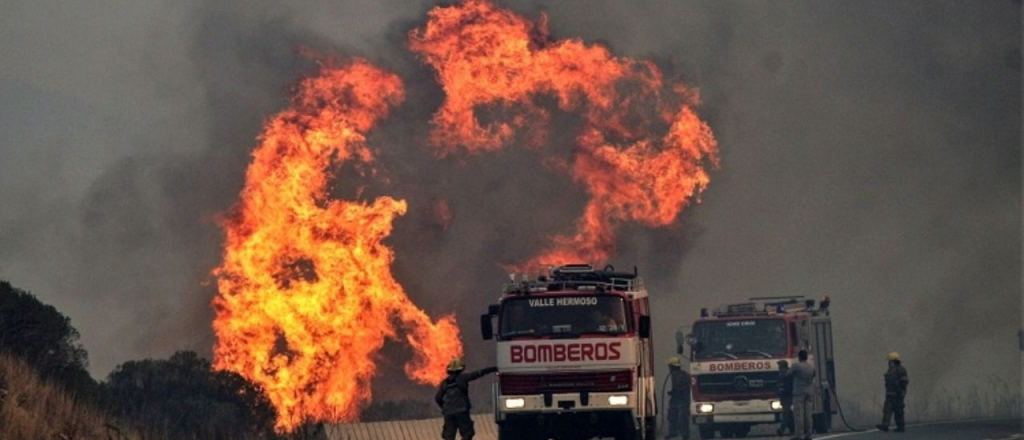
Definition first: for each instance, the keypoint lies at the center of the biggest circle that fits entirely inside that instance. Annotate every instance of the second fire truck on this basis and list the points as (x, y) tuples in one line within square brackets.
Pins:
[(734, 354), (574, 356)]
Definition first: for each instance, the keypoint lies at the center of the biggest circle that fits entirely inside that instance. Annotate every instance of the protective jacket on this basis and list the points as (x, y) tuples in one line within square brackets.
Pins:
[(785, 386), (453, 392), (896, 380), (680, 385)]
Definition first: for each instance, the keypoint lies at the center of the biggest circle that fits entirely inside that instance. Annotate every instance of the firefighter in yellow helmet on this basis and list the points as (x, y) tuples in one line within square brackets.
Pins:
[(453, 398), (896, 382), (678, 400)]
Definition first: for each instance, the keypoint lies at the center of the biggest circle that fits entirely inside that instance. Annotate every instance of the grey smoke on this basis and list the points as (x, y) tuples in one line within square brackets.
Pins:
[(870, 151)]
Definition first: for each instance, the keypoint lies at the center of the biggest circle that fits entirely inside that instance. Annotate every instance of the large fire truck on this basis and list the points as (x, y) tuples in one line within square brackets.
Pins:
[(734, 355), (574, 356)]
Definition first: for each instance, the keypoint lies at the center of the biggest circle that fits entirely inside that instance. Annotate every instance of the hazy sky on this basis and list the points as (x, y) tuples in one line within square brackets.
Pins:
[(871, 150)]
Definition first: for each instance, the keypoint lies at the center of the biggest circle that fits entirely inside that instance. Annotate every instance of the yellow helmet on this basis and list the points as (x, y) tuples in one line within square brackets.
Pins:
[(456, 365), (894, 356), (673, 361)]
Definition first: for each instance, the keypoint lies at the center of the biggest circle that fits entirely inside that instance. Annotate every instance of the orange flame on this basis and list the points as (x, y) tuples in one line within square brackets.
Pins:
[(306, 291), (490, 58)]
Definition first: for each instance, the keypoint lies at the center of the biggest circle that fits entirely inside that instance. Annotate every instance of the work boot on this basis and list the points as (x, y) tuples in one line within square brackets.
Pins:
[(883, 428)]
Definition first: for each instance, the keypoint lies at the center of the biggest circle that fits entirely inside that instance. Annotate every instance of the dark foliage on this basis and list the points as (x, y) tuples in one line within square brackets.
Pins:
[(45, 339), (183, 397)]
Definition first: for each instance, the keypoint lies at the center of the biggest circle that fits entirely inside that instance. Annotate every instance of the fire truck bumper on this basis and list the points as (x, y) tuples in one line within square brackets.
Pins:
[(749, 411), (566, 402)]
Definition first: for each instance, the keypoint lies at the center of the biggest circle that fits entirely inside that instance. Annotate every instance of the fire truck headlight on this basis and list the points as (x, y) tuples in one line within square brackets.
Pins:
[(516, 402), (705, 408), (618, 400), (776, 405)]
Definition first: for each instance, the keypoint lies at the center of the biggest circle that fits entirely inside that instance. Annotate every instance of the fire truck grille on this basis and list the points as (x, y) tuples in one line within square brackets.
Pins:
[(733, 383), (604, 381)]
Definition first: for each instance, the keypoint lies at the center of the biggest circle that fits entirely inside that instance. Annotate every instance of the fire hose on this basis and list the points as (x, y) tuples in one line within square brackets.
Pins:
[(842, 416)]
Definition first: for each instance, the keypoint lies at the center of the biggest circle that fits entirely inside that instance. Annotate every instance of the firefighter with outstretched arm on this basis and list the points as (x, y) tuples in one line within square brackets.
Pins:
[(453, 398), (678, 400), (896, 382)]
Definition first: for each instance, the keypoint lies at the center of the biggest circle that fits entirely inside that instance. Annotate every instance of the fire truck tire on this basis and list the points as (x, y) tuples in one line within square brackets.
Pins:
[(505, 432), (628, 434), (514, 431), (651, 428), (628, 430), (706, 431)]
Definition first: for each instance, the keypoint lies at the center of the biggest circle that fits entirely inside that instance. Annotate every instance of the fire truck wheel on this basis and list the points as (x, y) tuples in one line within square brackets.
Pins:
[(628, 433), (706, 431), (512, 431), (651, 428), (628, 430)]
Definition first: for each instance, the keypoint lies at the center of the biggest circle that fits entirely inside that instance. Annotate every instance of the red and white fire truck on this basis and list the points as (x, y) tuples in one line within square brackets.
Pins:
[(734, 355), (574, 356)]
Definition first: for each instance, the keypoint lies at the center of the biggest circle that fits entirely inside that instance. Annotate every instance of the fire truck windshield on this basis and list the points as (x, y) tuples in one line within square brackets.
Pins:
[(563, 316), (736, 339)]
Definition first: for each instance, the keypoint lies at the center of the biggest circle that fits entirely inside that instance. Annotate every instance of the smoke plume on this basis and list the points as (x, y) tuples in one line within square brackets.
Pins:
[(869, 151)]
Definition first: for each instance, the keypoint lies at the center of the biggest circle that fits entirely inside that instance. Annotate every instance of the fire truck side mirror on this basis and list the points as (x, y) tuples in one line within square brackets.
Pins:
[(645, 327), (690, 340), (486, 329)]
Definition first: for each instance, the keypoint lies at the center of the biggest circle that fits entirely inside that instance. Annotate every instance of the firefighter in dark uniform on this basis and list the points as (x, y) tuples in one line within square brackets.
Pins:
[(678, 400), (896, 382), (453, 398), (786, 399)]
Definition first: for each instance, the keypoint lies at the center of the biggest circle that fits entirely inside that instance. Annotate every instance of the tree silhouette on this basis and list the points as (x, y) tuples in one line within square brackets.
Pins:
[(44, 338), (184, 397)]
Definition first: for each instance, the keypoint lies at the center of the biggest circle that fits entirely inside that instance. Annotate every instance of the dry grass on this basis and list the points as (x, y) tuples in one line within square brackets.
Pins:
[(31, 409), (988, 399)]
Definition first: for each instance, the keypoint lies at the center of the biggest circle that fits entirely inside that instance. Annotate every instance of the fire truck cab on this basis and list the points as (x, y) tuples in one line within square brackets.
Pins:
[(574, 356), (734, 354)]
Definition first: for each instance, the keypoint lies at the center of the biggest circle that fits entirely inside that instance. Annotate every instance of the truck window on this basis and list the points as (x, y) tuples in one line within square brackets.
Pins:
[(563, 316), (740, 339)]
